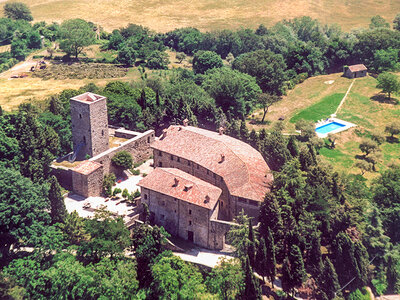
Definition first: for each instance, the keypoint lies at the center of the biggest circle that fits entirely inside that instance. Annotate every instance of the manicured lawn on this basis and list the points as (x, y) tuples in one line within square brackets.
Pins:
[(320, 110)]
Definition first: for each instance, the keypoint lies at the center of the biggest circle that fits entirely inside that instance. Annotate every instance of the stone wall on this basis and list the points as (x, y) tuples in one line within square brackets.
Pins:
[(63, 175), (89, 185), (138, 147)]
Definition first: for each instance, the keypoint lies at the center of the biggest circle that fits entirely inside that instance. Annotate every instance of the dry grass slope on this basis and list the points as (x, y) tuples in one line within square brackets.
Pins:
[(164, 15)]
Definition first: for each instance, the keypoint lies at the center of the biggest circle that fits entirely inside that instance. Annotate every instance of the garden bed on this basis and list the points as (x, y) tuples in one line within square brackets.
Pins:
[(80, 71)]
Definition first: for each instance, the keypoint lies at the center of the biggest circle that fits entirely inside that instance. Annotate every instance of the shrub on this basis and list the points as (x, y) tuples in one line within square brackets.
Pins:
[(116, 191), (123, 160), (125, 194), (136, 194), (108, 182), (135, 172)]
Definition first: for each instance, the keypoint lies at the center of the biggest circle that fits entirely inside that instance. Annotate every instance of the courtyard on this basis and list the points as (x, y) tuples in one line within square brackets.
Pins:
[(86, 207)]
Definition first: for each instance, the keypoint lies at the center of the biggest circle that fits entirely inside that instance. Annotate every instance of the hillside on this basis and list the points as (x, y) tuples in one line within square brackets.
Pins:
[(205, 15)]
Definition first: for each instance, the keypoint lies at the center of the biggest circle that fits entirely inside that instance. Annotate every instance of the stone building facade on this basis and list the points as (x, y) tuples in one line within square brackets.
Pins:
[(355, 71), (89, 123), (90, 134), (235, 168), (86, 178), (183, 205)]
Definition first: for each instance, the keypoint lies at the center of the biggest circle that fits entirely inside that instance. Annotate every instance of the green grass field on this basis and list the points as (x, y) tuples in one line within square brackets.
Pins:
[(319, 110), (167, 15), (314, 99)]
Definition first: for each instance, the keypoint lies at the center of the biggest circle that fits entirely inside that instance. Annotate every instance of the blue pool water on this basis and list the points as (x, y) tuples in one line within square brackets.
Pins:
[(329, 127)]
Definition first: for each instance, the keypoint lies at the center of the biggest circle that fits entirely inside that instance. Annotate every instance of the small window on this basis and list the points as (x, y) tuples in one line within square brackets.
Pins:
[(188, 162), (190, 223), (145, 197), (208, 173), (148, 139), (172, 157), (80, 116), (160, 164), (197, 167), (190, 211), (160, 153), (175, 210), (178, 159), (222, 204)]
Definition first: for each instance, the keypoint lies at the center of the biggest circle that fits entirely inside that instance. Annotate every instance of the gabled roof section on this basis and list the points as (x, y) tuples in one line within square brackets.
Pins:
[(87, 167), (183, 186), (357, 68), (243, 169)]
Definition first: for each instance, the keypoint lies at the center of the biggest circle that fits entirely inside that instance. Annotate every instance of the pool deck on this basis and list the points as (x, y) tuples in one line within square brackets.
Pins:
[(346, 126)]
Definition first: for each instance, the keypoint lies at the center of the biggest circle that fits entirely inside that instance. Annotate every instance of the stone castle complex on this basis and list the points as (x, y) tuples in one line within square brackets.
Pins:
[(201, 181)]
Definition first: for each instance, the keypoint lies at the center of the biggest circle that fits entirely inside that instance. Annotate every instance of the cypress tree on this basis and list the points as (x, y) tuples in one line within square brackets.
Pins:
[(251, 288), (270, 257), (262, 135), (251, 246), (392, 276), (261, 259), (297, 271), (244, 132), (292, 146), (286, 278), (253, 139), (361, 256), (345, 261), (270, 217), (57, 205), (314, 255), (328, 279)]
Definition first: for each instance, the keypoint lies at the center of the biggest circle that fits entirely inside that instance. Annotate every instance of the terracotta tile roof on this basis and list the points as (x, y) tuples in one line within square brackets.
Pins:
[(181, 185), (88, 97), (357, 68), (243, 169), (87, 167)]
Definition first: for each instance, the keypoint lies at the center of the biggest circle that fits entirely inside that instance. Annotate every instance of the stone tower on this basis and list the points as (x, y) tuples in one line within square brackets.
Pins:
[(89, 125)]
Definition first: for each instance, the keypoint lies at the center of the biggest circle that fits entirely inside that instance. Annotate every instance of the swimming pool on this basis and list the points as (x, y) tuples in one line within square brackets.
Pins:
[(329, 127)]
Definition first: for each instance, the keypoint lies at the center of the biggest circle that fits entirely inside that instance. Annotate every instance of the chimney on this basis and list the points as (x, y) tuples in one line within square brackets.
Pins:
[(221, 130), (176, 182), (164, 134), (188, 187), (222, 158), (207, 199), (185, 122)]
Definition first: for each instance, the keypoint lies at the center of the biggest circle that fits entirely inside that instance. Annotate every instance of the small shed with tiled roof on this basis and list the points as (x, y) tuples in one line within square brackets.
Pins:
[(355, 71)]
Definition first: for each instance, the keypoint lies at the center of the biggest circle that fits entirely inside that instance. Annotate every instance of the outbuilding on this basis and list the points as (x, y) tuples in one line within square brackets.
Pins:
[(355, 71)]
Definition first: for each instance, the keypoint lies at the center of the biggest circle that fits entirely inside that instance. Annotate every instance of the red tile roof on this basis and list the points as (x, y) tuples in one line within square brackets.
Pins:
[(87, 167), (243, 169), (88, 97), (188, 188), (357, 68)]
